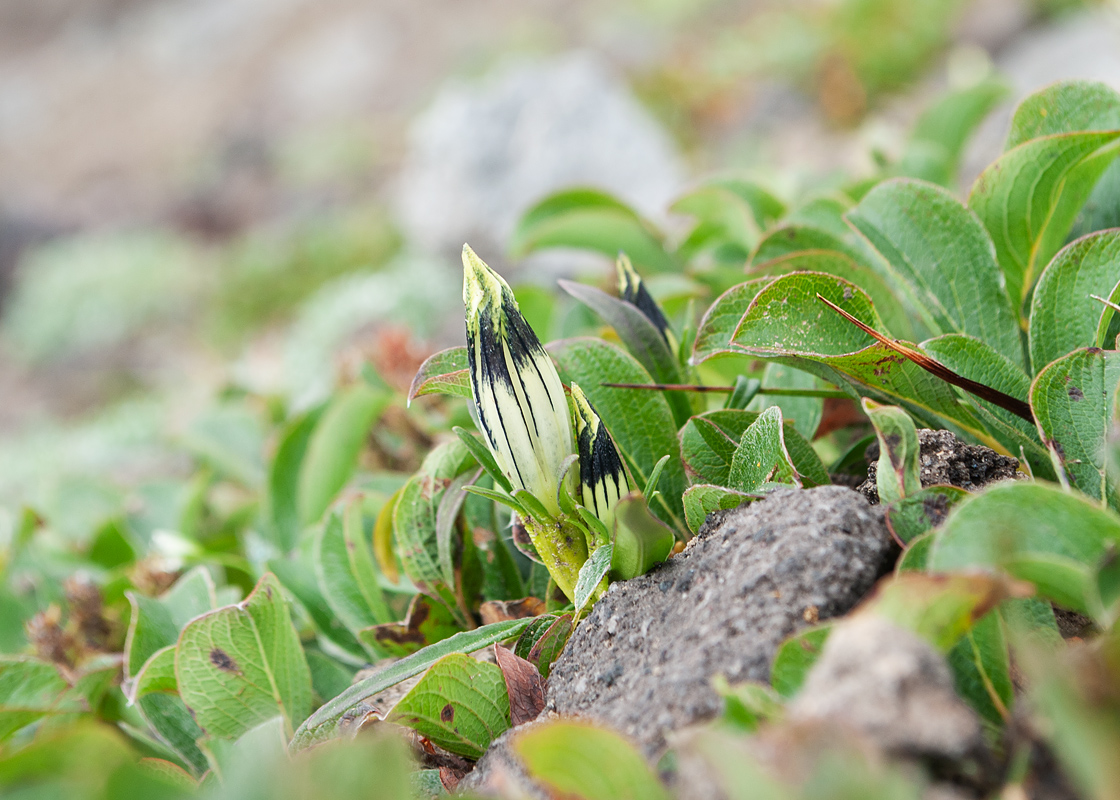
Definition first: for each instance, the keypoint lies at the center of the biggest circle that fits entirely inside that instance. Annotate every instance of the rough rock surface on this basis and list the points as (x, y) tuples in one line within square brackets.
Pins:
[(892, 687), (642, 662), (946, 459)]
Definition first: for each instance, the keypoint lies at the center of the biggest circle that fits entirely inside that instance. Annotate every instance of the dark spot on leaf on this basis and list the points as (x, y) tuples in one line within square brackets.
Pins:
[(447, 713), (1094, 351), (220, 659), (268, 592), (893, 440), (936, 508), (1076, 394)]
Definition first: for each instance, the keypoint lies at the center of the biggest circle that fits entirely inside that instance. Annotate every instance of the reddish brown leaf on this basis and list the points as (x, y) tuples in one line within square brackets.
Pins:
[(523, 684), (502, 610)]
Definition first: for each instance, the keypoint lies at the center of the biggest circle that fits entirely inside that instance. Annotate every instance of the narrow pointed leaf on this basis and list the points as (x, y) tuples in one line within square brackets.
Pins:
[(591, 575)]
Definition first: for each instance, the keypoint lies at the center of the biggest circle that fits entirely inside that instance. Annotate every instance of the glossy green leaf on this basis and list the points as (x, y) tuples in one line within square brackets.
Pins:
[(795, 658), (1028, 200), (241, 665), (460, 704), (587, 219), (544, 639), (899, 471), (897, 318), (1032, 531), (332, 451), (578, 760), (713, 336), (1072, 402), (1064, 315), (329, 721), (640, 422), (915, 558), (946, 260), (445, 372)]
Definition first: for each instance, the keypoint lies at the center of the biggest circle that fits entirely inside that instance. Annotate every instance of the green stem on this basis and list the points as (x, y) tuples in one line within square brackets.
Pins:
[(563, 549)]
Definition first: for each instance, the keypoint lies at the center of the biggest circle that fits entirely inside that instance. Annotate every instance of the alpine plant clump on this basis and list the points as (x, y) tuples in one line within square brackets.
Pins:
[(566, 482)]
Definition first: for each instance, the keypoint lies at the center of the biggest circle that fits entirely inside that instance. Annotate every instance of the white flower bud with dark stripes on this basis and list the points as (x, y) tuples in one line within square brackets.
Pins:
[(633, 290), (600, 467), (518, 395)]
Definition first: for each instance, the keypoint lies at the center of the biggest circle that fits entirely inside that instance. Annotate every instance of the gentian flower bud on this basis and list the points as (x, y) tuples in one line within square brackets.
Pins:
[(600, 467), (518, 395)]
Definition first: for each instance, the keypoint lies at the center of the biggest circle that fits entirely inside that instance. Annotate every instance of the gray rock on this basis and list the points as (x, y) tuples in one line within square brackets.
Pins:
[(891, 686), (483, 153), (945, 459), (642, 661), (500, 773)]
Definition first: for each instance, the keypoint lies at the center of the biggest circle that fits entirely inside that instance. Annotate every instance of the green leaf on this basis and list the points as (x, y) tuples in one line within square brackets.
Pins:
[(944, 257), (641, 337), (640, 539), (939, 136), (345, 573), (746, 706), (725, 224), (329, 721), (897, 318), (1032, 531), (332, 451), (704, 498), (719, 322), (297, 576), (981, 667), (787, 239), (899, 471), (591, 575), (426, 622), (915, 558), (795, 658), (542, 642), (155, 622), (445, 372), (484, 457), (155, 691), (1065, 107), (640, 423), (1064, 317), (230, 439), (804, 413), (329, 676), (416, 514), (460, 704), (30, 690), (708, 443), (788, 323), (243, 664), (761, 454), (975, 360), (284, 479), (911, 516), (939, 608), (1072, 403), (577, 760), (787, 316), (1029, 198), (587, 219)]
